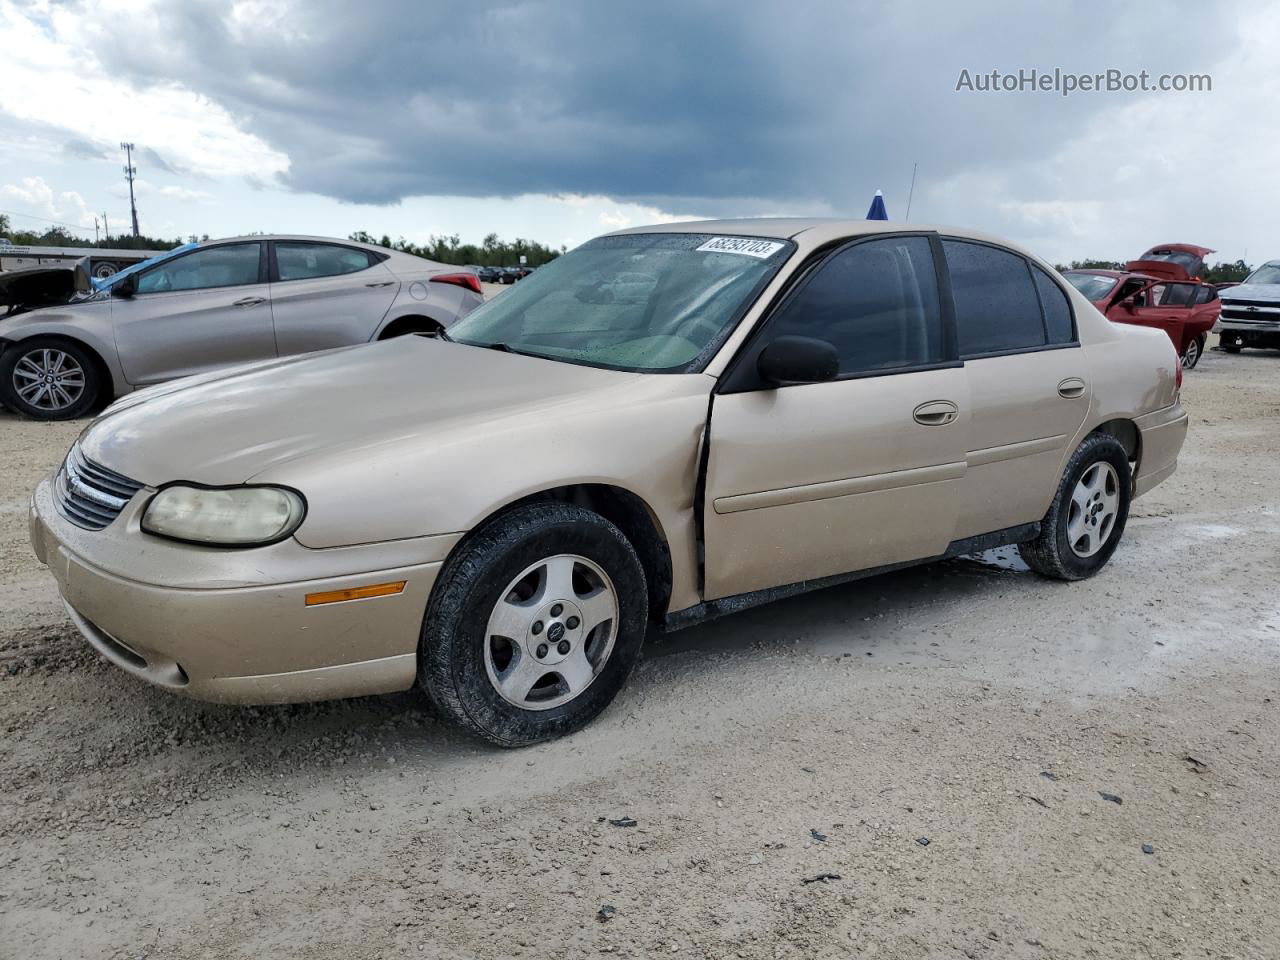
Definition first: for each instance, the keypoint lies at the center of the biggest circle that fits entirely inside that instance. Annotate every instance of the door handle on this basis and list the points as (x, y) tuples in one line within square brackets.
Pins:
[(249, 301), (936, 413), (380, 283), (1071, 388)]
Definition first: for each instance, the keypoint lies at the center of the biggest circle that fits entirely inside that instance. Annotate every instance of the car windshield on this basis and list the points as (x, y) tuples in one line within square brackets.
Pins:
[(1094, 286), (647, 301), (1267, 273)]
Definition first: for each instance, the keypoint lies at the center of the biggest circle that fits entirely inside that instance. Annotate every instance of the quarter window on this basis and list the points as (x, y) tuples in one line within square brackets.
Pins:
[(1056, 307), (997, 309), (296, 260), (877, 302), (229, 265)]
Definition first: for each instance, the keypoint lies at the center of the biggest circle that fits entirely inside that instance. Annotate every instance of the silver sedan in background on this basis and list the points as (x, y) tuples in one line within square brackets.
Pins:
[(213, 305)]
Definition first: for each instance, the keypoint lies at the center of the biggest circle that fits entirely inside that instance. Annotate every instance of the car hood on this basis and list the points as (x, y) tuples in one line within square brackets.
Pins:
[(227, 428), (43, 286), (1251, 291)]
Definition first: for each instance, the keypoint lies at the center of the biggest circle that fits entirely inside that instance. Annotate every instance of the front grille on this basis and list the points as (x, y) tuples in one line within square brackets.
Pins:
[(1231, 312), (1266, 304), (90, 495)]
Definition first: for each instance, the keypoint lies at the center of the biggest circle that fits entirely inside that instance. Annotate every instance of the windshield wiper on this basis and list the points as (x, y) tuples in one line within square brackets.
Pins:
[(500, 346)]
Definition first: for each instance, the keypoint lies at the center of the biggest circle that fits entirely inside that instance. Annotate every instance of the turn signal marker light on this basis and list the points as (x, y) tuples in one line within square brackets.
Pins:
[(356, 593)]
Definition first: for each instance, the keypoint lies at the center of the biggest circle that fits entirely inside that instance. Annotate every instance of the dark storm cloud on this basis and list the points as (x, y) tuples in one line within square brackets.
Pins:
[(706, 107), (153, 159), (84, 150)]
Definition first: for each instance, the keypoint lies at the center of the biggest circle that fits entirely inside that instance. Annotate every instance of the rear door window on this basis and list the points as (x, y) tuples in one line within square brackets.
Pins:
[(301, 260), (996, 304)]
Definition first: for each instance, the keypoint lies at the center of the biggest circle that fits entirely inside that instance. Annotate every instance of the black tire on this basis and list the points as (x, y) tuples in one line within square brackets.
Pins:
[(1231, 349), (83, 403), (451, 653), (1051, 554)]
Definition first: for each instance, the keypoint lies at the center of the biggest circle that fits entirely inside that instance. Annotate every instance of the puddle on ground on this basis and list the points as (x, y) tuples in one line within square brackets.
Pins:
[(1001, 558)]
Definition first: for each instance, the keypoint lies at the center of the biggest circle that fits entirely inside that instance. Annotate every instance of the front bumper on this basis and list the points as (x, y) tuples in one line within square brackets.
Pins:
[(232, 625), (1246, 326)]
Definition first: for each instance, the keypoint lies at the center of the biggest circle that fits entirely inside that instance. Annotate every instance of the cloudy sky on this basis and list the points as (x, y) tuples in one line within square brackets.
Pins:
[(560, 120)]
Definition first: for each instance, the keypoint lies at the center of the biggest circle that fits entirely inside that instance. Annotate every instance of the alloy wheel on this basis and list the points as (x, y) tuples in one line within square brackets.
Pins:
[(551, 632), (1095, 502), (49, 379), (1192, 354)]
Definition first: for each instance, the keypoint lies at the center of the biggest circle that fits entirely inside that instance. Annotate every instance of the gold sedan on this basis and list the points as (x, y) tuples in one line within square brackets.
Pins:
[(664, 425)]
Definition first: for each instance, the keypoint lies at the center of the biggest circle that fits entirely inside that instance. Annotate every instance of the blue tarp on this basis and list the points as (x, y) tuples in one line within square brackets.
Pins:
[(105, 282)]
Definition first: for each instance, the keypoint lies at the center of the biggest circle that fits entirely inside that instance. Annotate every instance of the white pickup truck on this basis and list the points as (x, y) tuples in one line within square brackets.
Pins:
[(1251, 311)]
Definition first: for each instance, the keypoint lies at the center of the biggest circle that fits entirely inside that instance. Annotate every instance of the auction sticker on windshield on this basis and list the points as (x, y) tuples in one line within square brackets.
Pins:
[(743, 245)]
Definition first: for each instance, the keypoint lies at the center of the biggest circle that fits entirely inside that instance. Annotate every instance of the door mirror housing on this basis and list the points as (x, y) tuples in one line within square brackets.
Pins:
[(789, 360), (125, 287), (1129, 303)]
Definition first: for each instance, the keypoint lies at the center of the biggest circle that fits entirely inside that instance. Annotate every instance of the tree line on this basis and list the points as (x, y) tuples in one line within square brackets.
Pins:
[(490, 252), (61, 237)]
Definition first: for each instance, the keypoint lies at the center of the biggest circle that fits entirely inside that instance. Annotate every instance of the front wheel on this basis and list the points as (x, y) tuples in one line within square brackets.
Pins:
[(49, 379), (534, 625), (1086, 520)]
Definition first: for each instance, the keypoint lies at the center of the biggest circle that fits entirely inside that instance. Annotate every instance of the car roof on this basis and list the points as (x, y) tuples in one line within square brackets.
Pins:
[(293, 236), (808, 231)]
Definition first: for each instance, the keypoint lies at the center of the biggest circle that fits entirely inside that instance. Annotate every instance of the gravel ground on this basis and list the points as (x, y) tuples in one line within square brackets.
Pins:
[(969, 759)]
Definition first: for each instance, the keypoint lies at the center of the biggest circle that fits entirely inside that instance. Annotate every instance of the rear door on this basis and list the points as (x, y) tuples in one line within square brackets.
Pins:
[(811, 480), (1027, 379), (196, 312), (327, 295)]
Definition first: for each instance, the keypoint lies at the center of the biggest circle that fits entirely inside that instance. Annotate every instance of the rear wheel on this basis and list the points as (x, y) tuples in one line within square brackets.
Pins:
[(534, 625), (49, 379), (1191, 356), (1088, 514)]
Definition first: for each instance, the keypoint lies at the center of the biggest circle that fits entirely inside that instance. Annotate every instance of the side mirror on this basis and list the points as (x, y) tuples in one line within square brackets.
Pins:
[(798, 360), (1129, 303), (125, 287)]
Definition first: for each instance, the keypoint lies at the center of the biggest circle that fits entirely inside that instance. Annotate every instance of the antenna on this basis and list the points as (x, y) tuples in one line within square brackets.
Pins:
[(912, 192), (129, 171)]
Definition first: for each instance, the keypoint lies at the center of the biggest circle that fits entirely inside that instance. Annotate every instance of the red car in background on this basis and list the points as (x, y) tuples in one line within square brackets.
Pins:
[(1160, 289)]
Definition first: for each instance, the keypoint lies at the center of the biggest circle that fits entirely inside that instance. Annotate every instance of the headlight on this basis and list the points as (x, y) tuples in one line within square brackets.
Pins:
[(233, 516)]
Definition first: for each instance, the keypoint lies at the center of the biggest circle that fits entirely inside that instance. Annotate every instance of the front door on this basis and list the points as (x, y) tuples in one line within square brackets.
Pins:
[(1161, 305), (205, 309), (811, 480)]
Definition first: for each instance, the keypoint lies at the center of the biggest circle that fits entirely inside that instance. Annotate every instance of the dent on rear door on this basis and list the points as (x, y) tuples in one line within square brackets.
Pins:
[(323, 312)]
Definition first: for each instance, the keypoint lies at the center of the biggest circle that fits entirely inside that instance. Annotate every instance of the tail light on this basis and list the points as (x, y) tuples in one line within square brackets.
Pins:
[(1178, 366), (468, 280)]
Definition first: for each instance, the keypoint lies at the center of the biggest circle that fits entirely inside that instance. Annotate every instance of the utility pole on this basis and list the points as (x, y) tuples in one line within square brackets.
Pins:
[(95, 231), (106, 231), (129, 171)]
